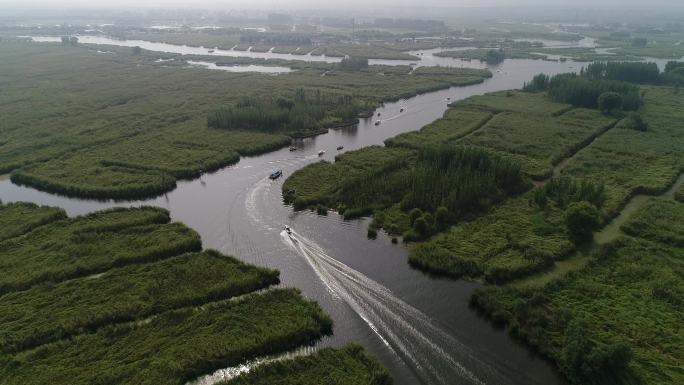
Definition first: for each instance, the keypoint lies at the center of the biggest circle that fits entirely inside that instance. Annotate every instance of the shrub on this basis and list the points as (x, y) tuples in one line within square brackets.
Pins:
[(636, 121), (581, 219)]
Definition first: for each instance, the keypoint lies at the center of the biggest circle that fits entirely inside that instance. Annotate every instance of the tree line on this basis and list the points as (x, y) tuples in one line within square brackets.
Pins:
[(442, 186), (583, 91), (305, 111)]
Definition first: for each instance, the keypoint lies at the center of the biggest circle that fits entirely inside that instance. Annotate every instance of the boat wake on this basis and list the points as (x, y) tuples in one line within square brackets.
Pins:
[(434, 355), (234, 371)]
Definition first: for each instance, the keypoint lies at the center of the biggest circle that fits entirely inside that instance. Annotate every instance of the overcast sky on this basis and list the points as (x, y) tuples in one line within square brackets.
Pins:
[(290, 4)]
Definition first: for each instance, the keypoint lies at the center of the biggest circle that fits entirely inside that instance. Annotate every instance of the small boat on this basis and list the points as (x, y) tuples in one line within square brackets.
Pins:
[(340, 148), (276, 174), (211, 51), (288, 230), (378, 114), (448, 98), (401, 110), (293, 148), (320, 153), (377, 122)]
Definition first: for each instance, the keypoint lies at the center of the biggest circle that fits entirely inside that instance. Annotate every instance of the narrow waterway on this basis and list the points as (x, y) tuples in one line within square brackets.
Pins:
[(419, 327)]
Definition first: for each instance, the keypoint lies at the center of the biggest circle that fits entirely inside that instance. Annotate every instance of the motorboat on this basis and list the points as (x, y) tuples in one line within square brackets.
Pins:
[(377, 122), (320, 153), (211, 51), (401, 110), (340, 148), (276, 174), (288, 230)]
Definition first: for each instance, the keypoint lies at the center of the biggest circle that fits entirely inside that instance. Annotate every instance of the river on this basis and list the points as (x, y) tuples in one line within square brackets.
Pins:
[(419, 327)]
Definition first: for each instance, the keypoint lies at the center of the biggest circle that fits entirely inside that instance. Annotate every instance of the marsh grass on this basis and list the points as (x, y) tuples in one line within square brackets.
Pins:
[(176, 346), (91, 244), (123, 294), (349, 365), (20, 217)]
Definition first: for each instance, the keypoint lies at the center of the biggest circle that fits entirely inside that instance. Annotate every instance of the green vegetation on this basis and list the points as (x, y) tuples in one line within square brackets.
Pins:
[(582, 91), (304, 113), (123, 294), (126, 126), (455, 124), (346, 366), (629, 161), (92, 244), (597, 162), (175, 346), (444, 184), (624, 71), (616, 320), (491, 56), (353, 64), (19, 218), (582, 219), (659, 221), (558, 131), (679, 194)]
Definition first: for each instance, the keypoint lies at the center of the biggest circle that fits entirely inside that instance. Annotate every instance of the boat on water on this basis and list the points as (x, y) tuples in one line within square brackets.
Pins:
[(401, 110), (320, 153), (288, 230), (211, 51), (293, 148), (276, 174), (377, 122), (340, 148)]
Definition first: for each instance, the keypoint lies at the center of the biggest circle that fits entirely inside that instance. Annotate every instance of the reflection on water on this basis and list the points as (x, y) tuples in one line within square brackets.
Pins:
[(239, 211)]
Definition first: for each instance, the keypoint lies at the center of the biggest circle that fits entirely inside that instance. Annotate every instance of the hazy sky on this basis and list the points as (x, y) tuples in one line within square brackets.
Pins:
[(289, 4)]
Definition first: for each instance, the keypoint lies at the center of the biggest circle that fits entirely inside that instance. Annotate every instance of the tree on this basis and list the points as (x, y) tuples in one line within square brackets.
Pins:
[(69, 40), (442, 217), (538, 83), (609, 102), (586, 362), (414, 214), (582, 219), (494, 56), (420, 226), (353, 63)]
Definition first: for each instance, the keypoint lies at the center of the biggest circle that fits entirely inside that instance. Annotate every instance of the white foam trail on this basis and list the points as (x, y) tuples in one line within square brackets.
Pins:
[(234, 371), (434, 355)]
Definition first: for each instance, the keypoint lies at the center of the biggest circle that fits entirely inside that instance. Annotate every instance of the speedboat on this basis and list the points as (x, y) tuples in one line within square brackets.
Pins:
[(320, 153), (377, 122), (288, 230), (401, 110), (340, 148), (276, 174)]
